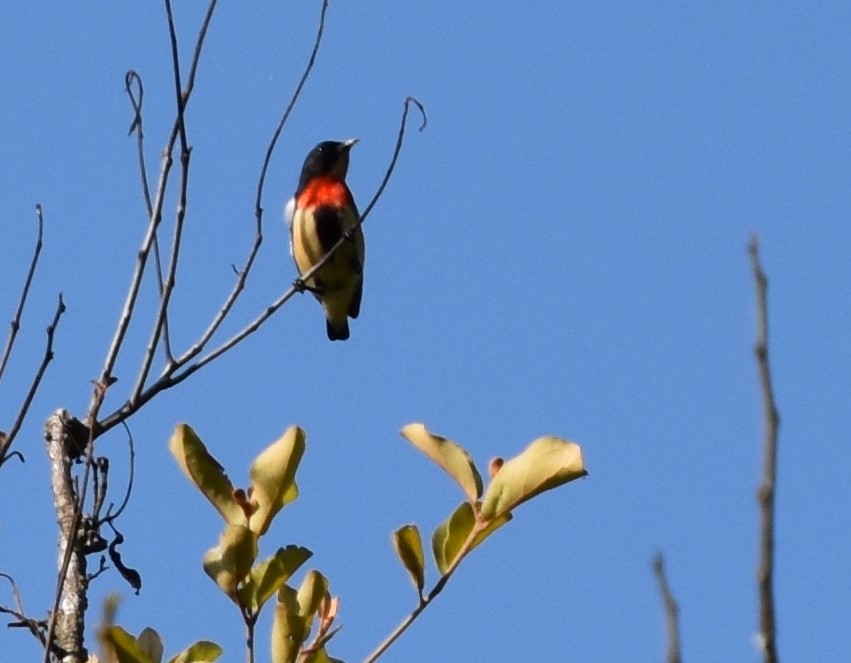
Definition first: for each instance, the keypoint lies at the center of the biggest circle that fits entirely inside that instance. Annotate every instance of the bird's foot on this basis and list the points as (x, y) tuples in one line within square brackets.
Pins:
[(301, 286)]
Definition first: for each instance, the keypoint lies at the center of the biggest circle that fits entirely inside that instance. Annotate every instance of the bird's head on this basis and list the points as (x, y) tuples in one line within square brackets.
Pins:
[(328, 158)]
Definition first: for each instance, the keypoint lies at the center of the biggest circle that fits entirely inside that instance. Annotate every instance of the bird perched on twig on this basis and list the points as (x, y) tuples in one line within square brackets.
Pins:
[(319, 214)]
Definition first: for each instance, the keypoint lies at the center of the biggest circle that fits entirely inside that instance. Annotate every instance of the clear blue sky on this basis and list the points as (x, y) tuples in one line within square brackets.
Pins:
[(562, 251)]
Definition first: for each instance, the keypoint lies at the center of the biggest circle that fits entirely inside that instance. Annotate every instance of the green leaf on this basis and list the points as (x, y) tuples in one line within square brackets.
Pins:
[(409, 549), (202, 651), (124, 646), (449, 455), (205, 472), (289, 628), (273, 477), (268, 576), (321, 656), (547, 463), (449, 538), (151, 644), (312, 590), (230, 562)]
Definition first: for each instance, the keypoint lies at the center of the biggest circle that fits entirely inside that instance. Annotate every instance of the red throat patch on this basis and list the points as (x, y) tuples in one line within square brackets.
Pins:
[(325, 192)]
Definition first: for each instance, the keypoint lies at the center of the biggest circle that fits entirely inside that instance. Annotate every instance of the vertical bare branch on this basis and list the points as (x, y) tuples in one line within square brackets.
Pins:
[(766, 492), (671, 610), (150, 235), (182, 97), (67, 619), (6, 441), (16, 321)]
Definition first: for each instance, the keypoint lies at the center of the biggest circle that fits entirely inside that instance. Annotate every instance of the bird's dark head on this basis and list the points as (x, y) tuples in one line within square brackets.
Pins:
[(328, 158)]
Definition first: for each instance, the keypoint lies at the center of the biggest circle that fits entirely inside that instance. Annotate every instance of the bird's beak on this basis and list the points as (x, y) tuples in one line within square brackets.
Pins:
[(349, 144)]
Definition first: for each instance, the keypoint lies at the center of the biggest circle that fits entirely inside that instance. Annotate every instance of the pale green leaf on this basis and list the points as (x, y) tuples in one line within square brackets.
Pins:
[(409, 549), (202, 651), (321, 656), (205, 472), (311, 591), (289, 628), (450, 536), (151, 644), (449, 455), (230, 562), (273, 477), (268, 576), (547, 463), (122, 645)]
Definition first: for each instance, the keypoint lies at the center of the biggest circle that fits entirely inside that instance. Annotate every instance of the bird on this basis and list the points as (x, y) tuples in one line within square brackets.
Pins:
[(321, 211)]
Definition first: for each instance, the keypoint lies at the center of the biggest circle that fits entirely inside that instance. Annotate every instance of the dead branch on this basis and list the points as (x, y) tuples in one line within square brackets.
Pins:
[(766, 492), (671, 610), (7, 439)]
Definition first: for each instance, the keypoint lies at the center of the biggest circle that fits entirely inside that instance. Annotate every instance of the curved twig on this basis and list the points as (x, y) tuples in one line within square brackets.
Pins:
[(109, 517), (16, 321), (130, 78)]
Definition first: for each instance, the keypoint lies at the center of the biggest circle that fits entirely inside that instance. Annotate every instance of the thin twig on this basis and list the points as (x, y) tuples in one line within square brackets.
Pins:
[(129, 78), (16, 321), (169, 379), (132, 475), (435, 591), (671, 610), (35, 626), (766, 492), (6, 442), (156, 218), (242, 274)]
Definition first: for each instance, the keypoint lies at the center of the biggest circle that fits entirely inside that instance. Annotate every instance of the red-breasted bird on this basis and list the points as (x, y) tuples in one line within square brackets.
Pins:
[(321, 210)]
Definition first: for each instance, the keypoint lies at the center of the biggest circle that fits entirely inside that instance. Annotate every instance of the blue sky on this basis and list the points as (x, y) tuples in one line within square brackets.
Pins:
[(562, 251)]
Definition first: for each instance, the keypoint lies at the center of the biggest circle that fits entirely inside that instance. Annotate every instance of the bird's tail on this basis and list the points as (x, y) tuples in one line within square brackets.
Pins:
[(338, 330)]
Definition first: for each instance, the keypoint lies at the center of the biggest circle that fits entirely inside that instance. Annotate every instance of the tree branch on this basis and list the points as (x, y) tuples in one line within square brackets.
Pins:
[(242, 274), (129, 78), (671, 610), (6, 440), (766, 492), (16, 321), (67, 619)]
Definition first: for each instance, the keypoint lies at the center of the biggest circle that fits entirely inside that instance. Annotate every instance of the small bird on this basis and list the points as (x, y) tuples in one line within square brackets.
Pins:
[(318, 215)]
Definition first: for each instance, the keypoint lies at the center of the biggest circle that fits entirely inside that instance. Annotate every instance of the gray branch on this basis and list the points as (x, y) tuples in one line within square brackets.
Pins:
[(68, 616)]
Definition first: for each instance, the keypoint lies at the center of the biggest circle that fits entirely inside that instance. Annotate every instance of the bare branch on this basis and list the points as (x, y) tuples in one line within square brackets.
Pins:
[(156, 218), (35, 626), (67, 619), (129, 78), (6, 441), (671, 610), (16, 321), (242, 274), (110, 517), (181, 99), (766, 492)]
